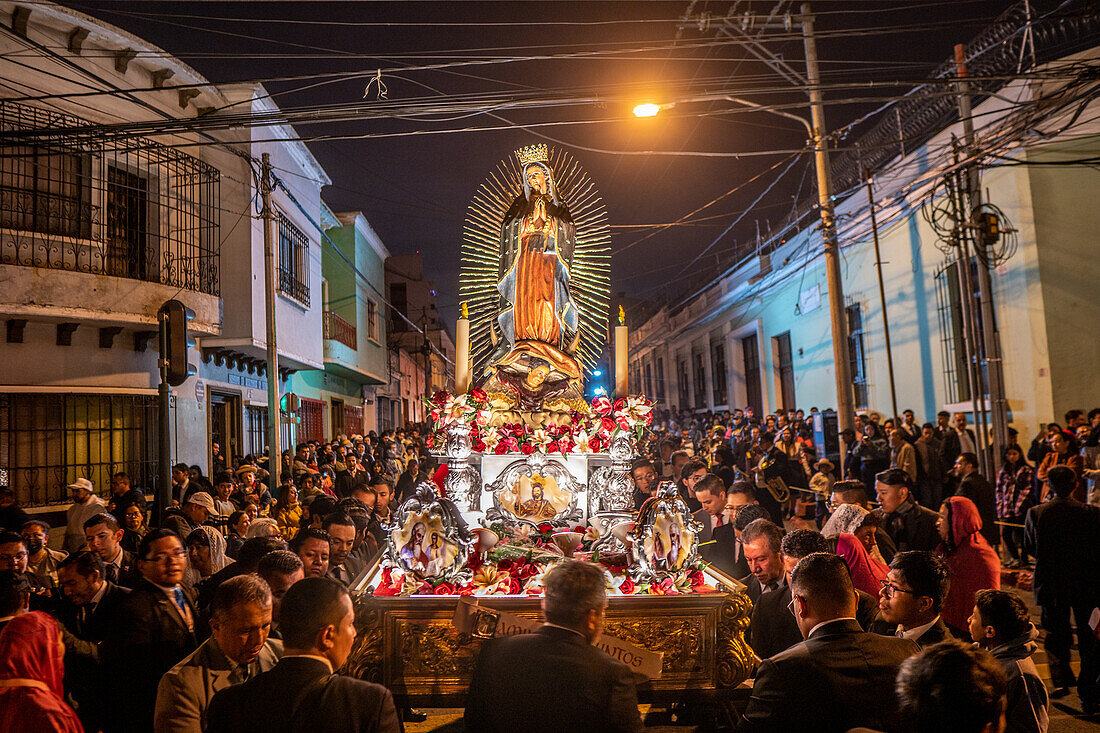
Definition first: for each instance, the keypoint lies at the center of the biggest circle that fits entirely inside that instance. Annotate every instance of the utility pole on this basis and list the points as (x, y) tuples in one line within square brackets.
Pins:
[(991, 342), (845, 406), (882, 298), (274, 454)]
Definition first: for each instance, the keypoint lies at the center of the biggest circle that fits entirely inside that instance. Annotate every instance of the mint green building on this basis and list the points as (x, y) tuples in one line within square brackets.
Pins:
[(340, 399)]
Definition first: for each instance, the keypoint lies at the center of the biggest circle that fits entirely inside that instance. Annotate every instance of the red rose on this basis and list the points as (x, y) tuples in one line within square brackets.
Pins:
[(696, 577), (479, 445), (525, 572), (431, 441), (607, 423), (595, 444), (627, 587), (444, 589), (552, 446), (440, 398), (479, 395), (579, 529), (501, 448), (620, 404), (514, 587), (505, 565), (574, 417), (546, 527), (527, 449)]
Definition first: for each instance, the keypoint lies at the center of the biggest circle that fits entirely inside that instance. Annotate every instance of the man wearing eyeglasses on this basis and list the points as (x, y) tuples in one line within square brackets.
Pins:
[(911, 596), (154, 629), (840, 677)]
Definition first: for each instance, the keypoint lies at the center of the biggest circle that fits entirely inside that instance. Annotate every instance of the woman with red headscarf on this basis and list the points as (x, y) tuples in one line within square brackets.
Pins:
[(866, 571), (31, 671), (974, 564)]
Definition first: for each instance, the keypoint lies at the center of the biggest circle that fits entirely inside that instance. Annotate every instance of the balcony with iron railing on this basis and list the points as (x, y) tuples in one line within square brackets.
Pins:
[(339, 329)]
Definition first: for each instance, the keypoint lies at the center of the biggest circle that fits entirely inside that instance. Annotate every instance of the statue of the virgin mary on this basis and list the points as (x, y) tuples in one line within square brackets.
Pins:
[(537, 316)]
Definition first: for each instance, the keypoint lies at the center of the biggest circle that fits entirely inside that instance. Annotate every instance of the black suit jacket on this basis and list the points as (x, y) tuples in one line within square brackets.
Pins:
[(1063, 536), (978, 490), (840, 678), (725, 552), (772, 628), (82, 633), (936, 633), (912, 527), (148, 636), (96, 626), (301, 694), (551, 680), (755, 591)]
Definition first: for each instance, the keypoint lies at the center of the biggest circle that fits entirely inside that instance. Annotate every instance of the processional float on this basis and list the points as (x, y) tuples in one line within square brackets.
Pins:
[(536, 472)]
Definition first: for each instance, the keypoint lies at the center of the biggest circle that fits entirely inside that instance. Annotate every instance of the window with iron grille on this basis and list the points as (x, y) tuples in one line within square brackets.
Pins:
[(700, 381), (372, 321), (660, 379), (857, 356), (257, 429), (718, 369), (784, 369), (123, 207), (45, 190), (311, 415), (47, 441), (353, 419), (293, 261)]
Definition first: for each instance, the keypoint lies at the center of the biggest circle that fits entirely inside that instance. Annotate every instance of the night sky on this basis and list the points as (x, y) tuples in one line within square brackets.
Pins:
[(414, 188)]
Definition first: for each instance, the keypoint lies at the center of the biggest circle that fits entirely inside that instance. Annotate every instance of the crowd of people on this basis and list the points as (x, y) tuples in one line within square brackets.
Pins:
[(144, 617), (230, 609), (922, 534)]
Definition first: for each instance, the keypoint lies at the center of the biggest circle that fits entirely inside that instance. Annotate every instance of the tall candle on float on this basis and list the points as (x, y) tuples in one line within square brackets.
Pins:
[(621, 383), (462, 352)]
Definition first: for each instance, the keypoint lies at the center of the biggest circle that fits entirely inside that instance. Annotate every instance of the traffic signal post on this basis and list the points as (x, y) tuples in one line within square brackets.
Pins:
[(175, 345)]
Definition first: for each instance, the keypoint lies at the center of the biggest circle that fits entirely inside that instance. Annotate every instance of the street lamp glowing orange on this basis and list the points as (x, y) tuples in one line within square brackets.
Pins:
[(647, 110)]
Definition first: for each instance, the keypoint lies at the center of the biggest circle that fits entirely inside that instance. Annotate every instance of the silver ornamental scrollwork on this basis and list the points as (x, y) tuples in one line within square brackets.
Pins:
[(428, 538), (463, 482), (666, 536), (611, 489), (536, 468)]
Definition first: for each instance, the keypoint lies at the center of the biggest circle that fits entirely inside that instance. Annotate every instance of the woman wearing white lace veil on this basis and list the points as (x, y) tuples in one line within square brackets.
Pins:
[(206, 552), (854, 519)]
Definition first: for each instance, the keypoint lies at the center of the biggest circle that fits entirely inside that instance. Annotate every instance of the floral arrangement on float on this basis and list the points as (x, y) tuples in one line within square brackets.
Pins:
[(512, 562), (581, 432)]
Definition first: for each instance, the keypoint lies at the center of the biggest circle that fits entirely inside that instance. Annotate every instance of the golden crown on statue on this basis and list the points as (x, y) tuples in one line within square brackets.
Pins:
[(533, 154)]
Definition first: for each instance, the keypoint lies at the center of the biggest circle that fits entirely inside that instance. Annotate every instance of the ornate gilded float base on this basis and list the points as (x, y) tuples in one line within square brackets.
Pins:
[(409, 644)]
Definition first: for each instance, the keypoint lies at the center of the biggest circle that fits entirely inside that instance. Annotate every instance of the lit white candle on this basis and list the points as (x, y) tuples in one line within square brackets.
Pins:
[(462, 352), (621, 381)]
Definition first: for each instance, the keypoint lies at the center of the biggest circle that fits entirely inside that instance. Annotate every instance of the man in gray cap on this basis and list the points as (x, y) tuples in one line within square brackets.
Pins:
[(85, 506), (195, 511)]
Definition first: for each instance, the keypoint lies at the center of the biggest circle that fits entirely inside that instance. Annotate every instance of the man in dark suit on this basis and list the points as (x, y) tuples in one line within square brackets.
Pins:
[(342, 565), (772, 628), (87, 614), (302, 693), (103, 536), (840, 677), (910, 600), (153, 630), (975, 487), (760, 541), (1063, 535), (555, 679), (910, 526)]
